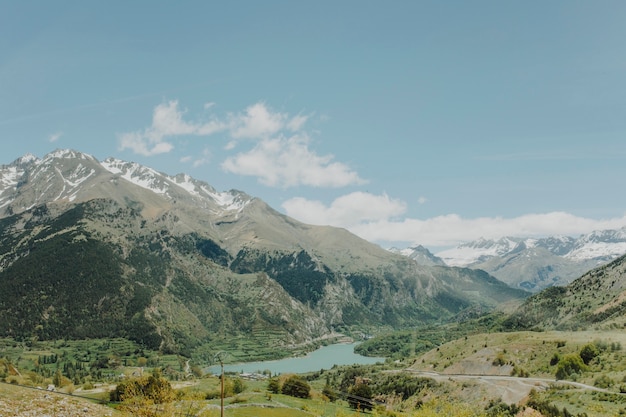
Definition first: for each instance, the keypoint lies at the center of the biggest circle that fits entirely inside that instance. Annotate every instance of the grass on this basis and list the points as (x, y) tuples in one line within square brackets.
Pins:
[(530, 351), (38, 402), (487, 353)]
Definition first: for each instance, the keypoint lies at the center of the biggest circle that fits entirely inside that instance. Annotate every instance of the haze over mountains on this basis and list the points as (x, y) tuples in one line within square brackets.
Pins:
[(116, 249), (531, 263)]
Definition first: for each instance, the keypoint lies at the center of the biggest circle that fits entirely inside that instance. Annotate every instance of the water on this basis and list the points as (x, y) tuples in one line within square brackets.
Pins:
[(323, 358)]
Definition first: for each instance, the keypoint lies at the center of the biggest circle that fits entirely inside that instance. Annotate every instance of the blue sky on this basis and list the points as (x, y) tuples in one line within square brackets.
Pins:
[(407, 122)]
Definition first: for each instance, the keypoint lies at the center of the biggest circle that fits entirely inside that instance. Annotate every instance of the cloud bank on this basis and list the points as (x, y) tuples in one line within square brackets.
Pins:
[(378, 218)]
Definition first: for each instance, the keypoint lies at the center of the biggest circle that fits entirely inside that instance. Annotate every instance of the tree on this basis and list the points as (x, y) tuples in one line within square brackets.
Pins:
[(273, 385), (361, 397), (295, 386), (329, 392), (588, 353), (154, 387), (569, 365)]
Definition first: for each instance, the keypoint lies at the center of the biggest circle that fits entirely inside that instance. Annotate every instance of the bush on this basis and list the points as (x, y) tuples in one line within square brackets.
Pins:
[(569, 365), (330, 393), (295, 386), (603, 382), (155, 388), (273, 385), (589, 352)]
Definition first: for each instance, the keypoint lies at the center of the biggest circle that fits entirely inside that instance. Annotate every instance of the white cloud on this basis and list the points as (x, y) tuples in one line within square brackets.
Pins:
[(288, 162), (452, 229), (375, 218), (141, 144), (259, 122), (167, 121), (199, 160), (256, 122), (422, 200), (204, 158), (280, 155), (55, 137), (297, 122), (346, 211)]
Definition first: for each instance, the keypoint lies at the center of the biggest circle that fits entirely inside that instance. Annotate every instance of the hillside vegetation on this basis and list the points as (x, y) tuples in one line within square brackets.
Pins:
[(595, 300)]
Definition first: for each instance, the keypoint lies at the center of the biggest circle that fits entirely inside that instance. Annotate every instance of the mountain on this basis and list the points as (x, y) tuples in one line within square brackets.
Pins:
[(115, 249), (595, 300), (535, 264), (421, 255)]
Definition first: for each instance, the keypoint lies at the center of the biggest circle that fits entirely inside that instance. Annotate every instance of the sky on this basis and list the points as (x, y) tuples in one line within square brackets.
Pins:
[(406, 122)]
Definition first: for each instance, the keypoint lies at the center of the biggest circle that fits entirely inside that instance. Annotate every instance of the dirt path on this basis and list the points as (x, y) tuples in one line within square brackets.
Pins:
[(511, 389)]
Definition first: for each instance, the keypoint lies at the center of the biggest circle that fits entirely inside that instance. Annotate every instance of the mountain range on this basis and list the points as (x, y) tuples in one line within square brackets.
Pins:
[(532, 264), (112, 248)]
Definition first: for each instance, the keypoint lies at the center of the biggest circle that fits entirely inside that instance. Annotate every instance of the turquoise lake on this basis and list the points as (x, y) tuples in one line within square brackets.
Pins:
[(323, 358)]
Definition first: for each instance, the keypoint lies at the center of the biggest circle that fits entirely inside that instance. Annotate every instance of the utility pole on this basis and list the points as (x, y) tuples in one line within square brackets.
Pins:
[(220, 357)]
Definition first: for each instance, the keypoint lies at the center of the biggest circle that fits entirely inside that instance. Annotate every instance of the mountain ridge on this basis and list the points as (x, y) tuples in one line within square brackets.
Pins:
[(596, 300), (186, 265)]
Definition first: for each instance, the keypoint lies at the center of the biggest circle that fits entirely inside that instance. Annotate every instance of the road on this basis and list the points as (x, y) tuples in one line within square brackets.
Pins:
[(511, 389)]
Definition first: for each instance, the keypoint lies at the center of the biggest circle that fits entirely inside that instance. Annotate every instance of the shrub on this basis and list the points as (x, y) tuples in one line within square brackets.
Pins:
[(295, 386), (603, 382), (154, 387), (569, 365), (589, 352), (330, 393), (273, 385)]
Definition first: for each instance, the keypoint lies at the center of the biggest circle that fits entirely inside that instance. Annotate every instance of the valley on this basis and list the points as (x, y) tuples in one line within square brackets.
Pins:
[(114, 275)]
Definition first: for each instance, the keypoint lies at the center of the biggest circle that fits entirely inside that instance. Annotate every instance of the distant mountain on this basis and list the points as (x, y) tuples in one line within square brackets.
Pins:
[(421, 255), (115, 249), (535, 264), (595, 300)]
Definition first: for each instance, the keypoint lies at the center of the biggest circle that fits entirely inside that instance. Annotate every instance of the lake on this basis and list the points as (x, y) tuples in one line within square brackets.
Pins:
[(322, 358)]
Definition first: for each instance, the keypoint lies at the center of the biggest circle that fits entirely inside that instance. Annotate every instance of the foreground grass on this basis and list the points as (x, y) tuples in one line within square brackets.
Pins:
[(21, 401)]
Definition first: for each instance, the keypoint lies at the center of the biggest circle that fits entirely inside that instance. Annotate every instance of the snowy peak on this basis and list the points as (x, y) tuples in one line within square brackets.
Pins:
[(535, 264), (68, 175), (480, 250), (137, 174), (603, 245), (175, 187), (420, 254), (30, 181)]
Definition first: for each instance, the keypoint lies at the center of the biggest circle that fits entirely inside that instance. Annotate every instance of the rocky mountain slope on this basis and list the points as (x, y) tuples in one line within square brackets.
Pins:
[(532, 264), (116, 249), (595, 300)]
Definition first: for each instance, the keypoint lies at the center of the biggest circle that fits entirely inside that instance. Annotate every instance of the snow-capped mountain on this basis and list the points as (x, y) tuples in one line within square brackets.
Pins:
[(478, 251), (70, 176), (602, 246), (537, 263), (420, 254)]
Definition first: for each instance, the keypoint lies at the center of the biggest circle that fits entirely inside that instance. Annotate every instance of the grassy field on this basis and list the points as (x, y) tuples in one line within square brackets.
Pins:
[(530, 355)]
